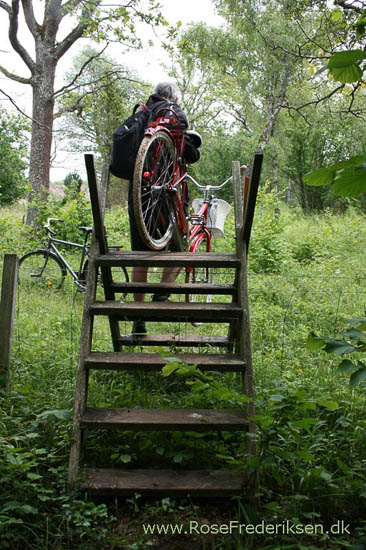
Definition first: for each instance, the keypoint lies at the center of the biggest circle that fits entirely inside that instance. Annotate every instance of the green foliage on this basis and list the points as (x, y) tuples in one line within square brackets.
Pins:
[(13, 156), (268, 250), (344, 66), (354, 341), (348, 178), (72, 183)]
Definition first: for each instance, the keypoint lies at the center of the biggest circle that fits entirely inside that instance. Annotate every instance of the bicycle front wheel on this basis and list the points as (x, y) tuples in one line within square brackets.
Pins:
[(41, 269), (202, 276), (153, 206)]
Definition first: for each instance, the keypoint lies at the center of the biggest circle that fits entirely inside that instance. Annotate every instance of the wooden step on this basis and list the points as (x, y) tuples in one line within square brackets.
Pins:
[(199, 483), (200, 420), (168, 311), (172, 340), (174, 288), (164, 259), (154, 362)]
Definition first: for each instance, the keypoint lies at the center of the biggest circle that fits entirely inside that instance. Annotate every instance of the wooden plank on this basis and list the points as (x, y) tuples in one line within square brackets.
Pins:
[(179, 340), (98, 208), (162, 259), (198, 483), (252, 198), (174, 288), (154, 362), (168, 311), (201, 420), (81, 390), (7, 312)]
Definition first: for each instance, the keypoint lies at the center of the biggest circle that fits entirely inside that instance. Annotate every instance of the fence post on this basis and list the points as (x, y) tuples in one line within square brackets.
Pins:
[(7, 311)]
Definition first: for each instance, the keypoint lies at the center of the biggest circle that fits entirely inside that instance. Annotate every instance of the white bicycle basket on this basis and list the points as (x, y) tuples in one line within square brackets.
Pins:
[(216, 216)]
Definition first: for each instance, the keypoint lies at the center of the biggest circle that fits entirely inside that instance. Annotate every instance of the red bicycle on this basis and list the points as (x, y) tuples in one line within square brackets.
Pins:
[(160, 199)]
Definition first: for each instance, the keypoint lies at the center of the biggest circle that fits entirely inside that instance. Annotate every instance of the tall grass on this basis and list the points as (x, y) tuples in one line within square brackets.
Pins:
[(305, 273)]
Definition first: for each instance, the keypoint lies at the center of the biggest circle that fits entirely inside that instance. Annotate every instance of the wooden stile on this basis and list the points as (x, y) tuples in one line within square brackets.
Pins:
[(237, 358)]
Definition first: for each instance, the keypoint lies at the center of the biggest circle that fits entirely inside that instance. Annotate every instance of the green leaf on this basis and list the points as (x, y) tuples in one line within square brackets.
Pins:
[(169, 369), (334, 345), (346, 75), (305, 455), (346, 366), (323, 176), (350, 182), (331, 405), (345, 59), (304, 423), (314, 342), (262, 420), (125, 458), (358, 376), (336, 15)]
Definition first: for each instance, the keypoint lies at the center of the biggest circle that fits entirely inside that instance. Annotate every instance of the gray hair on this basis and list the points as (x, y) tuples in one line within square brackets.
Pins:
[(168, 90)]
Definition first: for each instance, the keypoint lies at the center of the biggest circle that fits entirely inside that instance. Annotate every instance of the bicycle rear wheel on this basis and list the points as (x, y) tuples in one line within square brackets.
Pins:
[(152, 201), (40, 269)]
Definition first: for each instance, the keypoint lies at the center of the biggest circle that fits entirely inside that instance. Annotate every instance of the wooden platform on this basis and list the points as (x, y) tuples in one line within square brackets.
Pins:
[(195, 483), (200, 420), (226, 305)]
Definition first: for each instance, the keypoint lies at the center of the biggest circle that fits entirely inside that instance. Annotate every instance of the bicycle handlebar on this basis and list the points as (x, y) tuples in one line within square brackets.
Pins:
[(213, 187)]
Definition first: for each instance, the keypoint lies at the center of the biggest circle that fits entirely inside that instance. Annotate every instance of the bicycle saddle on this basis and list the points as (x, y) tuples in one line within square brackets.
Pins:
[(86, 229)]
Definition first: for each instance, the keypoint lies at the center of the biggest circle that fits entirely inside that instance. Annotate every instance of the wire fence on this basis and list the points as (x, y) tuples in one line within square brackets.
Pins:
[(284, 308)]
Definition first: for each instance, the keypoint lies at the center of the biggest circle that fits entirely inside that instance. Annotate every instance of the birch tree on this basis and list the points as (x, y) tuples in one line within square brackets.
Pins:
[(83, 16)]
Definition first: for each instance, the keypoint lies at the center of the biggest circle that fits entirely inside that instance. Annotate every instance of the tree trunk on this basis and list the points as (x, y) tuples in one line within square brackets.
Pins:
[(40, 154)]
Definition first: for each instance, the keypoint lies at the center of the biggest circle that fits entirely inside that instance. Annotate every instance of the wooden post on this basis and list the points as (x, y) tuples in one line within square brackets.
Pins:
[(7, 311)]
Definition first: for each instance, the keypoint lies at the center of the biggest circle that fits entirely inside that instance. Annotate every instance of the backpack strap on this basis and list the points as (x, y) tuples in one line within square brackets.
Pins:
[(142, 106)]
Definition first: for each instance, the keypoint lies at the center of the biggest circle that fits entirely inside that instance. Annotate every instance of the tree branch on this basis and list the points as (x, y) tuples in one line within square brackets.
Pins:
[(67, 86), (15, 77), (29, 17), (5, 6), (22, 112), (78, 31), (13, 31), (346, 6)]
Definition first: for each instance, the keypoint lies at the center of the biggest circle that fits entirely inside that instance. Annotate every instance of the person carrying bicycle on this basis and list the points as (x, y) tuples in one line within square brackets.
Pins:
[(168, 92)]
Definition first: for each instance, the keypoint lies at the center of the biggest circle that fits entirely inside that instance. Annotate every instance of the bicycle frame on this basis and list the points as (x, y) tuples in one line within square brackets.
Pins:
[(52, 241)]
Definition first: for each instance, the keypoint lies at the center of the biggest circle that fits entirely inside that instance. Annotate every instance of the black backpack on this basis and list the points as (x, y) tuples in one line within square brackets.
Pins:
[(127, 139)]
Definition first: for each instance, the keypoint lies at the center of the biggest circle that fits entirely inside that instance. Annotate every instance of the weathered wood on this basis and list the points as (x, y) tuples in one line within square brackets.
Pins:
[(7, 312), (168, 311), (164, 259), (201, 420), (243, 347), (81, 390), (200, 483), (248, 214), (179, 340), (154, 362), (174, 288), (98, 204)]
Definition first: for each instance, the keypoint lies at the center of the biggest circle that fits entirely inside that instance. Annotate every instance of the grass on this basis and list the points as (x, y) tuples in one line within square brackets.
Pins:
[(305, 273)]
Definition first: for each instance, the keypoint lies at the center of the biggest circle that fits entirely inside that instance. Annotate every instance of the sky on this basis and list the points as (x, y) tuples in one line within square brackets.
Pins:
[(146, 62)]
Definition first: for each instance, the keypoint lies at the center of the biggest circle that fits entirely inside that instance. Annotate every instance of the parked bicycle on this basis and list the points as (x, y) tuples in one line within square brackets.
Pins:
[(47, 267)]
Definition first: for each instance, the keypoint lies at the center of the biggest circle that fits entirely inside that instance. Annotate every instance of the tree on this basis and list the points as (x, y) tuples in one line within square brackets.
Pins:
[(13, 157), (101, 98), (48, 52)]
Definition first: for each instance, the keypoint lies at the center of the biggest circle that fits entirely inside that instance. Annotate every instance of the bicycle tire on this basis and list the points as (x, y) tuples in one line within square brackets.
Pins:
[(203, 275), (41, 269), (154, 166)]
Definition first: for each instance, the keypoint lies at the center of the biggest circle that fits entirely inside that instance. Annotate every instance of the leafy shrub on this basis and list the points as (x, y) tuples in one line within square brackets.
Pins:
[(268, 249)]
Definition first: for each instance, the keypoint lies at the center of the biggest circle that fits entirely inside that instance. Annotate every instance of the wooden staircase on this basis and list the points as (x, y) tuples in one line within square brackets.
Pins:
[(235, 355)]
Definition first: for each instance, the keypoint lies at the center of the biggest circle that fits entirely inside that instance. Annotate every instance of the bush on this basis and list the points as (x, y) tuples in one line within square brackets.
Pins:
[(268, 249)]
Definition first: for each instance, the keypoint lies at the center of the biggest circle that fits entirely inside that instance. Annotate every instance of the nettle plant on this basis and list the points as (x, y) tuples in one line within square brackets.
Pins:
[(354, 341)]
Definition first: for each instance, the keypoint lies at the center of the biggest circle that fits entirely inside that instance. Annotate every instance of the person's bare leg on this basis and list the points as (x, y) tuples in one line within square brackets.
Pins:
[(139, 275), (170, 274)]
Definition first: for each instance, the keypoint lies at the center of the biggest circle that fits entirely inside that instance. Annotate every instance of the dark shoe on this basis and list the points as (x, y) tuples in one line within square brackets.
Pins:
[(139, 327), (160, 298)]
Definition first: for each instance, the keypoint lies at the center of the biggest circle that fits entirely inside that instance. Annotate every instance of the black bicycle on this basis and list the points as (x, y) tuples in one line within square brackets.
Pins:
[(47, 267)]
